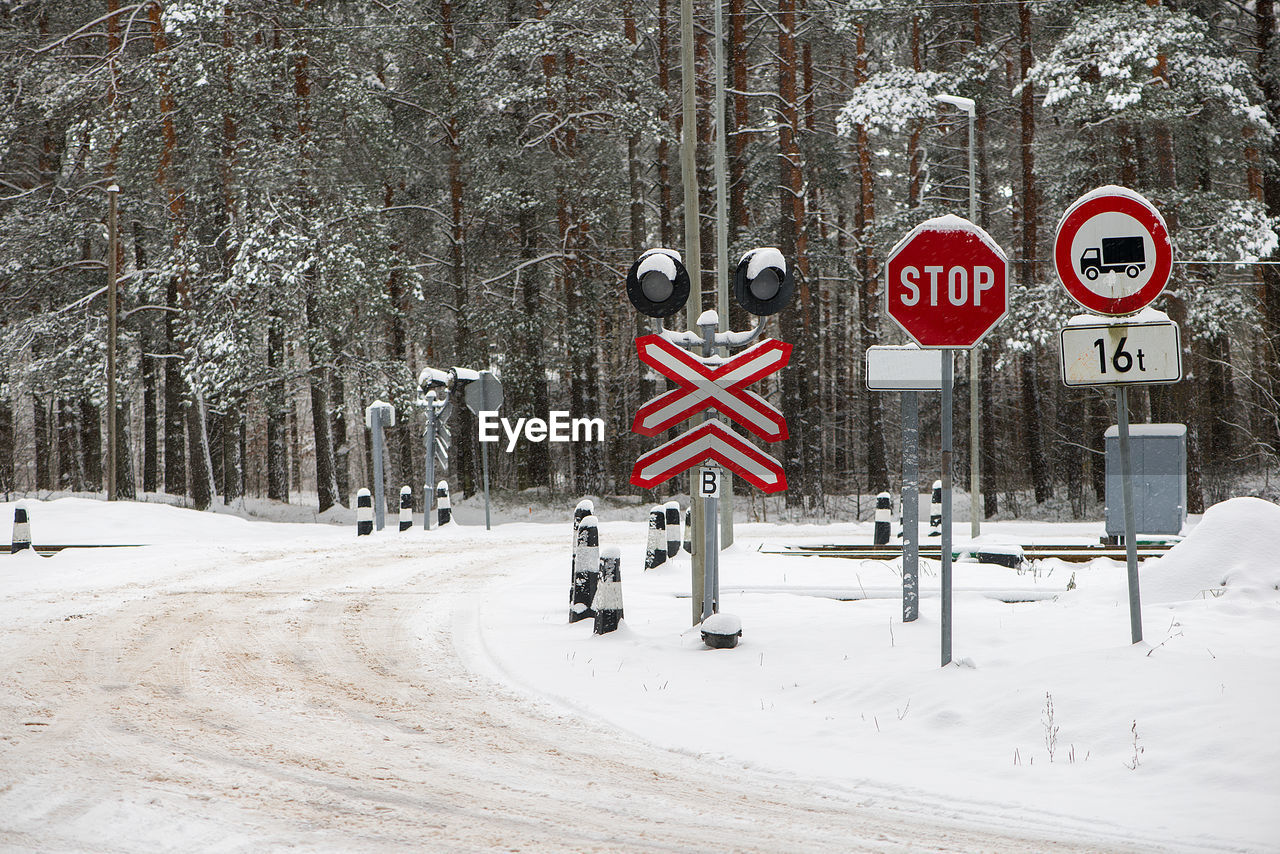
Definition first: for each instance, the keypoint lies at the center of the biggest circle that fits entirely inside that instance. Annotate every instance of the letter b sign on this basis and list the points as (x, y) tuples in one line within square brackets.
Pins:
[(709, 482)]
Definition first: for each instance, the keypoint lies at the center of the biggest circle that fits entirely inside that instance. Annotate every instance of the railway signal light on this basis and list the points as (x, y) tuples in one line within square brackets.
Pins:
[(658, 283), (764, 282)]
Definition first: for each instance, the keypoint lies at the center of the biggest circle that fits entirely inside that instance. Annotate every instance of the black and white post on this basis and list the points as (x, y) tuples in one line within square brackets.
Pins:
[(672, 509), (884, 519), (607, 602), (406, 507), (364, 513), (586, 570), (687, 542), (444, 510), (586, 507), (655, 553), (935, 510), (21, 529)]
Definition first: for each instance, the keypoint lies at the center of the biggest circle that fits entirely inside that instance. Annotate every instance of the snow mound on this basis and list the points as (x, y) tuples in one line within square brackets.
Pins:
[(1233, 548)]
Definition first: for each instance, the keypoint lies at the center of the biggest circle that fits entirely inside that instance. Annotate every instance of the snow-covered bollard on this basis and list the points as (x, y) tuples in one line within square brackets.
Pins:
[(607, 602), (688, 531), (586, 507), (364, 513), (586, 570), (406, 508), (884, 518), (655, 553), (721, 631), (21, 529), (672, 509), (444, 511), (935, 510)]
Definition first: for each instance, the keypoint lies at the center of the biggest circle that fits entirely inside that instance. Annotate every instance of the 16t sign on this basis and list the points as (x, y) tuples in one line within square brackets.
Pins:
[(946, 283)]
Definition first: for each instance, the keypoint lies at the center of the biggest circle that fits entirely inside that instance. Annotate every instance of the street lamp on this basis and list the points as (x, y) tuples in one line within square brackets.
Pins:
[(968, 106)]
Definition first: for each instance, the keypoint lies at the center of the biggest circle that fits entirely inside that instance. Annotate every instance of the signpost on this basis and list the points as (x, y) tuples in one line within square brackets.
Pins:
[(909, 370), (1113, 255), (1112, 251), (658, 285), (1121, 352), (437, 450), (946, 285), (484, 394), (378, 416)]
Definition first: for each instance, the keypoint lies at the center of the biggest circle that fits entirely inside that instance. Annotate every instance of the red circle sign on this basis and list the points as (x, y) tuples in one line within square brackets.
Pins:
[(946, 283), (1112, 251)]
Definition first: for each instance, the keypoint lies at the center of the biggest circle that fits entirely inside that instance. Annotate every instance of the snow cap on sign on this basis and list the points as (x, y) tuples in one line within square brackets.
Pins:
[(951, 222), (1146, 315), (708, 318), (659, 261), (1115, 190), (762, 258)]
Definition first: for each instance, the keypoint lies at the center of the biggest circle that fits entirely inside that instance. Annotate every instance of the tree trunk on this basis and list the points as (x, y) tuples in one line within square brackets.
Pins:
[(91, 443), (277, 452), (869, 327), (199, 480), (1028, 370), (326, 476)]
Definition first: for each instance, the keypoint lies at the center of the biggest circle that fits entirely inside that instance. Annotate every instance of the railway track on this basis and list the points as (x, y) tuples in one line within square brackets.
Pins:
[(994, 553)]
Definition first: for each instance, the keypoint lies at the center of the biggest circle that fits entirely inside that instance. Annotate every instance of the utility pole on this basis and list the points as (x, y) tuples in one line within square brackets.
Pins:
[(722, 250), (692, 251), (975, 493), (112, 192)]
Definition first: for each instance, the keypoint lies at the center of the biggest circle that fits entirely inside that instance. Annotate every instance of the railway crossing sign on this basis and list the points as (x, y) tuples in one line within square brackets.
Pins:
[(946, 283), (702, 384), (1112, 251), (712, 440), (1097, 352)]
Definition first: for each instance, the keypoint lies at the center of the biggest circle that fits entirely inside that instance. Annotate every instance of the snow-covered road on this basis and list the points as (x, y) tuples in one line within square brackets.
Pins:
[(331, 699)]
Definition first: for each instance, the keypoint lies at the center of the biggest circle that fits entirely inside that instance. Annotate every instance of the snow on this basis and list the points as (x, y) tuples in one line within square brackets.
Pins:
[(1050, 723), (708, 318), (1231, 552), (722, 624), (764, 258), (660, 261), (1146, 315)]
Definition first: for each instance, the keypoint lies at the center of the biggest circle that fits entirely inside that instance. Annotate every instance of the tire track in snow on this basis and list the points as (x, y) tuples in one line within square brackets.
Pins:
[(322, 702)]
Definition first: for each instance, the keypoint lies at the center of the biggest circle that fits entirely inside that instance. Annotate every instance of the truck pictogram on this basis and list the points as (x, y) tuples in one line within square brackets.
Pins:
[(1116, 254)]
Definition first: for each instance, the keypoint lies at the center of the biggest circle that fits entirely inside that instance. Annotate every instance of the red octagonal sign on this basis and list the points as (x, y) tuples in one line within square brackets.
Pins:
[(947, 283)]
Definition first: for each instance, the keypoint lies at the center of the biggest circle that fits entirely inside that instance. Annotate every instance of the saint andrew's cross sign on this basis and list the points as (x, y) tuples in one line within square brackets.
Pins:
[(702, 385), (711, 382)]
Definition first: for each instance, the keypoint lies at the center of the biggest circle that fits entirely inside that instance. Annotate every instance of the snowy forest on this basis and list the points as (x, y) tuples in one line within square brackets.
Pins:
[(319, 198)]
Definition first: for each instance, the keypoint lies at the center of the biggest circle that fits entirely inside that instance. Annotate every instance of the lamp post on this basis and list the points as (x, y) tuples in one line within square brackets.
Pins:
[(975, 494)]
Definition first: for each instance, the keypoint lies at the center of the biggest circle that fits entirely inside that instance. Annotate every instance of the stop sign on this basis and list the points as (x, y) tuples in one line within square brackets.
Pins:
[(946, 283)]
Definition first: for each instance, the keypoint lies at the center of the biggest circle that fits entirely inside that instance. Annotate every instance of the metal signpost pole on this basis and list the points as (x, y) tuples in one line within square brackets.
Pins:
[(710, 511), (692, 252), (1130, 535), (910, 506), (484, 456), (710, 543), (946, 506), (379, 499), (429, 489)]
